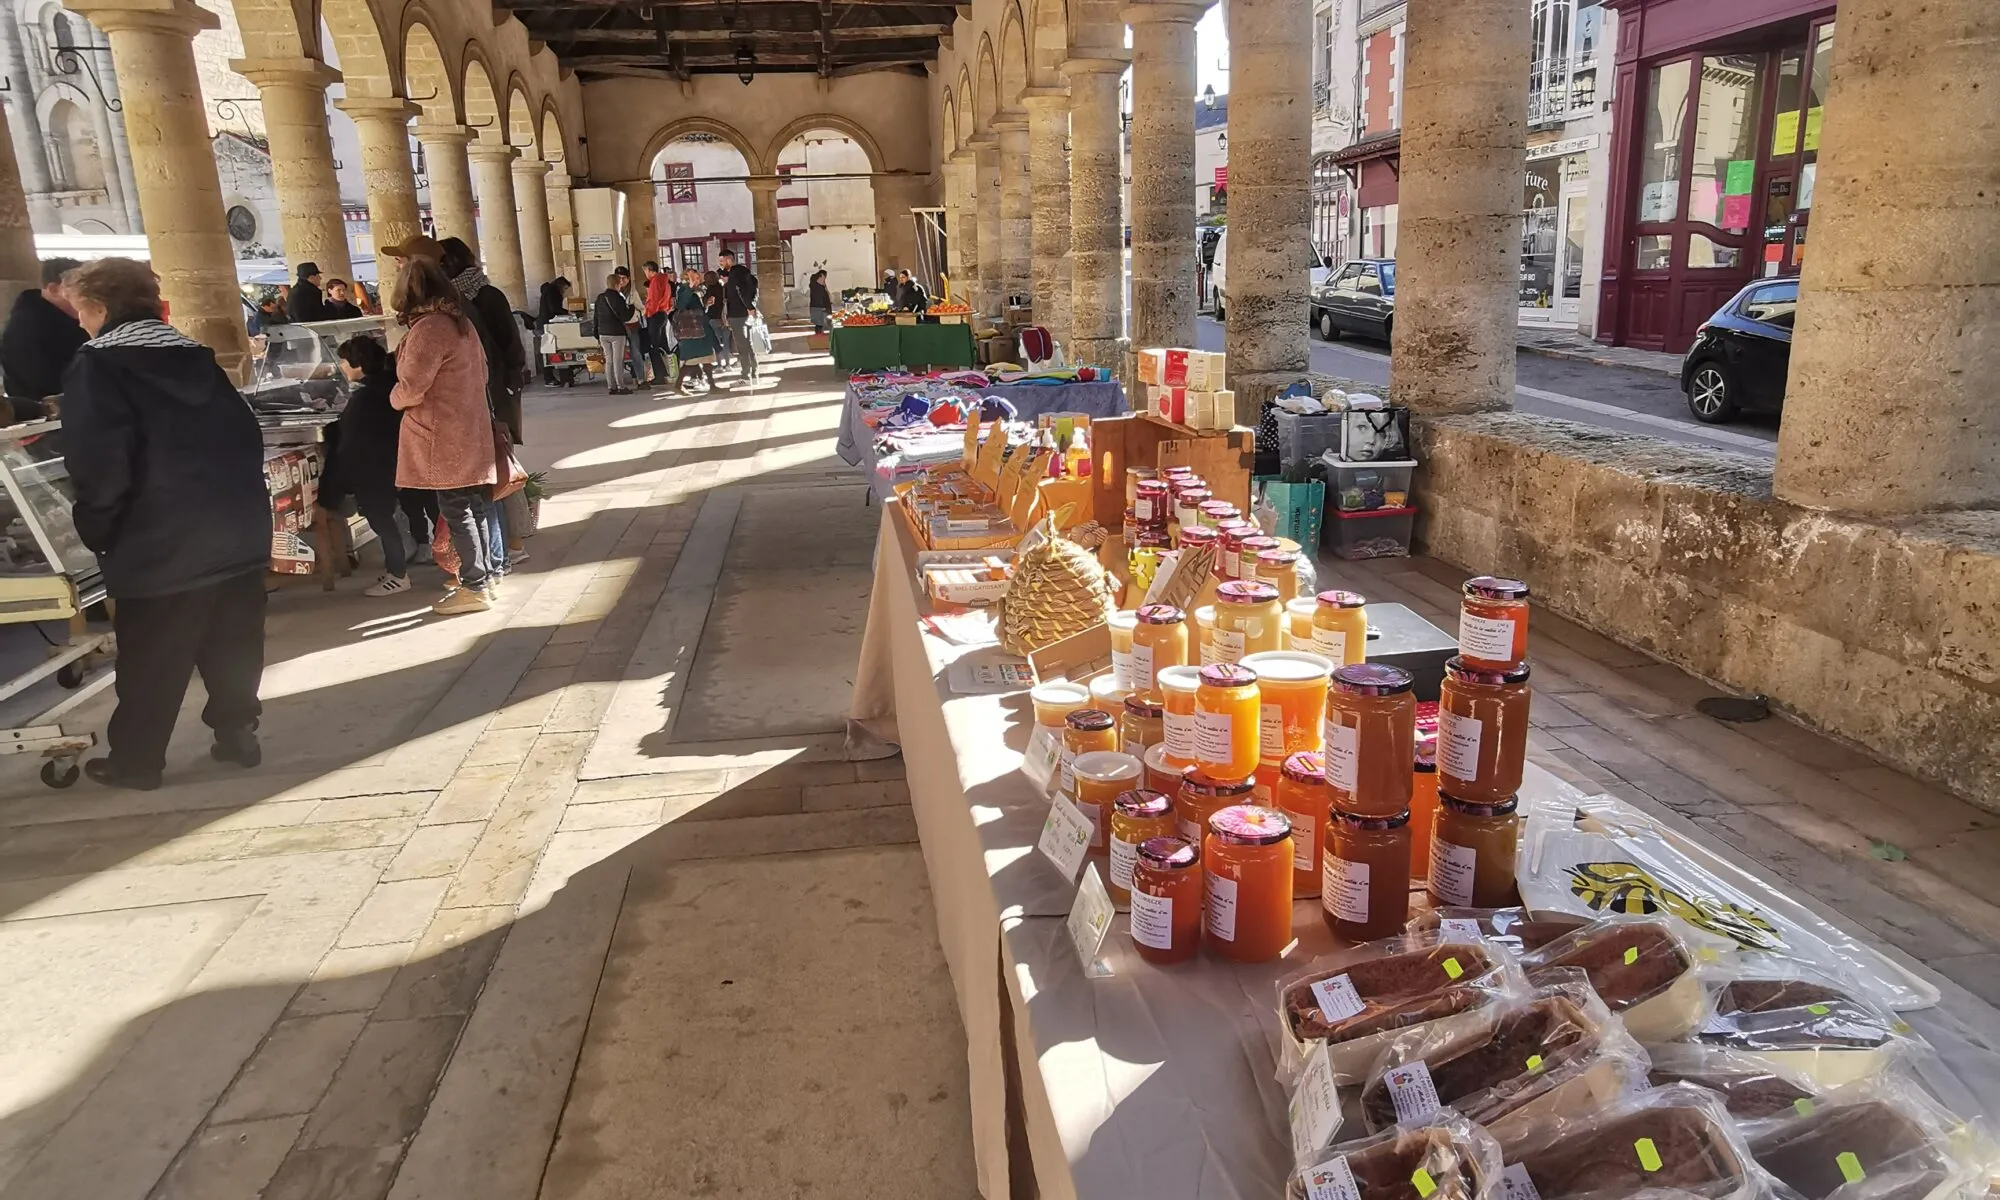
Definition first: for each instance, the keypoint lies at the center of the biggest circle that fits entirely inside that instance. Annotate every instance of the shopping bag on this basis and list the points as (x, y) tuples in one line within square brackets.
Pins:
[(758, 333), (1301, 509), (509, 471)]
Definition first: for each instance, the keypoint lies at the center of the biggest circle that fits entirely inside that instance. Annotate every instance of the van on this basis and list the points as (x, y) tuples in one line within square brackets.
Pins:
[(1218, 276)]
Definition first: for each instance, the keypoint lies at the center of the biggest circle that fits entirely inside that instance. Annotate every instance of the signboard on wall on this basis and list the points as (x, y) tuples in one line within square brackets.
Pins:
[(594, 243)]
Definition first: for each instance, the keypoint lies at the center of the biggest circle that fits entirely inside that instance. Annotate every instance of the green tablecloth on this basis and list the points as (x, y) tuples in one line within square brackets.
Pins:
[(878, 347)]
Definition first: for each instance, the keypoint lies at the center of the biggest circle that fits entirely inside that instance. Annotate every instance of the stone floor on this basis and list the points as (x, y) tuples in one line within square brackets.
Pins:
[(577, 899)]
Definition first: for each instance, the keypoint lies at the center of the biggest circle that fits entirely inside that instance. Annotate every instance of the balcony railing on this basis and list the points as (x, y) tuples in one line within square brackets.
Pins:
[(1560, 89), (1322, 96)]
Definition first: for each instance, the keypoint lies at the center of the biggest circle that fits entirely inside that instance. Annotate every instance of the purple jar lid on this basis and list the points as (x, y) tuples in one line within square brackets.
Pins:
[(1091, 720), (1160, 614), (1228, 675), (1169, 853), (1246, 591), (1372, 679), (1342, 599), (1200, 535), (1139, 705), (1489, 587), (1457, 668), (1140, 802), (1250, 825), (1307, 766)]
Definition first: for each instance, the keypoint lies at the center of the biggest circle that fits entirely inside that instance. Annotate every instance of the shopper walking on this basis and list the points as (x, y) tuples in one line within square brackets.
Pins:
[(446, 439), (364, 460), (739, 304), (659, 307), (167, 465), (611, 314), (337, 306), (696, 350), (305, 302), (42, 336), (718, 324), (819, 302)]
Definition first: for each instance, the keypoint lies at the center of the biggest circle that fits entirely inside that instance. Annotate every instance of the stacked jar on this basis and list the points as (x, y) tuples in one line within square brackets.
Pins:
[(1370, 752), (1482, 743), (1152, 507)]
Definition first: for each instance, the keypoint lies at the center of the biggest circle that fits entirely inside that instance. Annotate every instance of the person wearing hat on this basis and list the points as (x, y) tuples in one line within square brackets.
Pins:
[(306, 303), (416, 246)]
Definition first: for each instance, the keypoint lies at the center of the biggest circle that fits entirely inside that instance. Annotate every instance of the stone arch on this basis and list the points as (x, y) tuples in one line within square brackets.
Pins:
[(483, 109), (550, 140), (427, 78), (966, 114), (1048, 42), (805, 125), (948, 126), (521, 118), (76, 157), (274, 29), (366, 66), (1013, 58), (986, 96), (728, 133)]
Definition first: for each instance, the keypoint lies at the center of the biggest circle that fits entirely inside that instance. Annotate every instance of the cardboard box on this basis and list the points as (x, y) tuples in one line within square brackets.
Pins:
[(965, 578), (1152, 366), (1168, 403), (1200, 409)]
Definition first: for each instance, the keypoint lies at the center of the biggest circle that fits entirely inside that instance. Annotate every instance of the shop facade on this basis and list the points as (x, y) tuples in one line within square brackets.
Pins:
[(1714, 150)]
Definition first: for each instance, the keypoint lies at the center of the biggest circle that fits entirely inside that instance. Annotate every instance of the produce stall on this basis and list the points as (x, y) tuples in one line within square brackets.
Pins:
[(886, 346)]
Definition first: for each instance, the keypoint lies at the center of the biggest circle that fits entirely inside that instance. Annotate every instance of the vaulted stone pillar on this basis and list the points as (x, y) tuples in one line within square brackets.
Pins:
[(770, 263), (1458, 237), (895, 228), (986, 200), (962, 227), (173, 164), (1163, 267), (531, 196), (562, 227), (1048, 221), (1016, 206), (453, 213), (500, 234), (383, 126), (294, 93), (642, 226), (20, 269), (1891, 406), (1096, 213)]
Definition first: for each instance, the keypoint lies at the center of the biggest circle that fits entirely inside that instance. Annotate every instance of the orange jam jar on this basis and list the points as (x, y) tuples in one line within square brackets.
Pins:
[(1248, 620), (1142, 726), (1055, 700), (1423, 804), (1371, 739), (1340, 627), (1101, 777), (1107, 694), (1167, 907), (1121, 624), (1473, 854), (1299, 623), (1246, 566), (1177, 722), (1365, 890), (1204, 632), (1493, 622), (1159, 640), (1161, 775), (1302, 797), (1136, 816), (1291, 687), (1202, 796), (1084, 730), (1482, 737), (1227, 717), (1246, 865), (1280, 569)]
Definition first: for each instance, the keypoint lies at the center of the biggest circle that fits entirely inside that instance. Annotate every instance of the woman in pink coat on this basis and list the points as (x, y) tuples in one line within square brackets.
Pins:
[(446, 444)]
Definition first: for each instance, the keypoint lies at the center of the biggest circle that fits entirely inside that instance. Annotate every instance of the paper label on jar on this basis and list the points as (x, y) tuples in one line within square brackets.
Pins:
[(1490, 638), (1153, 921), (1142, 508), (1222, 908), (1190, 832), (1330, 644), (1343, 742), (1332, 1180), (1516, 1185), (1227, 644), (1124, 856), (1121, 669), (1213, 733), (1461, 929), (1338, 999), (1139, 669), (1343, 888), (1185, 517), (1305, 839), (1451, 873), (1412, 1092), (1271, 731), (1178, 729), (1315, 1118), (1458, 745), (1246, 567)]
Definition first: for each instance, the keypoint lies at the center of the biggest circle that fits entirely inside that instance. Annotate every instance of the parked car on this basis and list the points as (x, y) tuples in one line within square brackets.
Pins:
[(1360, 298), (1317, 271), (1741, 354)]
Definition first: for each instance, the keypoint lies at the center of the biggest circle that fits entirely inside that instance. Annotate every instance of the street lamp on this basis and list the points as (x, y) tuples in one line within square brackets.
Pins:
[(1208, 96), (746, 64)]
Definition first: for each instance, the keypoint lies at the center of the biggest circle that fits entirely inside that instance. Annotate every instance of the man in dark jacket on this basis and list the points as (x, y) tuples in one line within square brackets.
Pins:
[(910, 295), (305, 302), (739, 300), (493, 316), (41, 336), (167, 464)]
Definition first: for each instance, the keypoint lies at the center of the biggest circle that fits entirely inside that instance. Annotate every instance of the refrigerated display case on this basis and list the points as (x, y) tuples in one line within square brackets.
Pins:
[(296, 368)]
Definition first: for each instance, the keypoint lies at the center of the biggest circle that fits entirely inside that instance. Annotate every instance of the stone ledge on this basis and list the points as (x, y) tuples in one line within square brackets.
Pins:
[(1883, 632)]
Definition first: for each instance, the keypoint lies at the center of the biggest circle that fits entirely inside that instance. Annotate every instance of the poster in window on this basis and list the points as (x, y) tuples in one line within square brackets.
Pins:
[(1660, 201)]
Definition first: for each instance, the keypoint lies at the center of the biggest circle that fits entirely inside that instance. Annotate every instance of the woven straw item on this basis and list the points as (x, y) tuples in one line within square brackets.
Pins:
[(1059, 590)]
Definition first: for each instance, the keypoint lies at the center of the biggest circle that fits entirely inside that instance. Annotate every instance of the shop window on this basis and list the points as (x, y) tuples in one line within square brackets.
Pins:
[(694, 256), (785, 256), (1656, 252), (1660, 164), (1538, 236), (1704, 251), (680, 183), (1578, 215), (1723, 173)]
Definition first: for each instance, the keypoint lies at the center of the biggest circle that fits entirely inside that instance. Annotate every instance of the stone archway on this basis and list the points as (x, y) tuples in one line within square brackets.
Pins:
[(843, 125), (986, 94), (1013, 58), (428, 81), (1048, 43), (673, 131), (366, 67)]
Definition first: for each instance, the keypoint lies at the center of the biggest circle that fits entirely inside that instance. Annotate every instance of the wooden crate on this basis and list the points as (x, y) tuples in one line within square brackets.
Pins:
[(1224, 458)]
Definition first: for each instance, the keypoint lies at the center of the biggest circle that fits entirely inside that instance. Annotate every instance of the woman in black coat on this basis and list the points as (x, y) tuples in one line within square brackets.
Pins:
[(365, 454)]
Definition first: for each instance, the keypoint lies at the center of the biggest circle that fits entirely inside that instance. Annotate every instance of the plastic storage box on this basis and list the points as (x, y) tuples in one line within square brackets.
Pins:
[(1366, 486), (1383, 533), (1303, 437)]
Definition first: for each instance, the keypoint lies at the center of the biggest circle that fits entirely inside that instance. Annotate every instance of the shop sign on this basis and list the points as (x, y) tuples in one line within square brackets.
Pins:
[(593, 243), (1575, 145)]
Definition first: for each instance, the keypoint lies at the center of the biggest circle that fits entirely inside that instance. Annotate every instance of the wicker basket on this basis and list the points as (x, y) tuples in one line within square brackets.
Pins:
[(1059, 590)]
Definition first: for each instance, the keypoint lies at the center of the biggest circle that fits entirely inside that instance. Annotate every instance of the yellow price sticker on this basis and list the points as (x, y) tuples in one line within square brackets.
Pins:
[(1424, 1183), (1631, 955), (1818, 1010), (1802, 1106), (1534, 1062), (1649, 1154), (1850, 1166), (1452, 969)]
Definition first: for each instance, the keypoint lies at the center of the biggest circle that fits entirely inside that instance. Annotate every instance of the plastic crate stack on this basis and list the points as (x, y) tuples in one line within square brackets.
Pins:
[(1361, 448)]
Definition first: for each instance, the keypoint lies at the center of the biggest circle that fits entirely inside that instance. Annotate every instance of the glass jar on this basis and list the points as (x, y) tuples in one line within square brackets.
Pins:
[(1229, 548), (1187, 506), (1121, 624), (1302, 797), (1227, 716), (1365, 891), (1085, 730), (1291, 694), (1055, 700), (1371, 743), (1255, 544), (1159, 640), (1141, 726), (1493, 622), (1246, 866), (1202, 796), (1216, 513), (1340, 627), (1423, 805), (1161, 775), (1107, 695), (1473, 853), (1280, 569), (1204, 631), (1299, 624), (1194, 536), (1248, 619), (1482, 738), (1136, 815), (1167, 909), (1101, 777), (1177, 724), (1151, 501)]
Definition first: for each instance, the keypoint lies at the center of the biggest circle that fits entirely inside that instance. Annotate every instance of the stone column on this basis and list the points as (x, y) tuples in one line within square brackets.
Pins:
[(1016, 207), (895, 228), (562, 227), (961, 228), (499, 234), (1096, 213), (1048, 220), (1163, 269), (1270, 157), (1891, 406), (986, 203), (173, 164), (20, 269), (1458, 237), (531, 193), (642, 225), (770, 263), (453, 213), (383, 126), (294, 93)]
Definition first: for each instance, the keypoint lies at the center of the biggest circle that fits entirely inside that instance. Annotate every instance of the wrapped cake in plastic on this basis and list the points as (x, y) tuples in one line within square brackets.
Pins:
[(1803, 1022), (1676, 1138), (1356, 1000), (1642, 971), (1882, 1139), (1444, 1157), (1515, 928), (1752, 1088)]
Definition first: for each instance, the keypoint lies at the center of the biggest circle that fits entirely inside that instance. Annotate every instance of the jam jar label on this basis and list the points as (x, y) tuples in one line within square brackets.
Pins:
[(1142, 509), (1121, 669), (1331, 644), (1124, 856), (1458, 745), (1139, 669), (1343, 889), (1488, 638), (1305, 840), (1222, 908), (1179, 731), (1271, 732), (1343, 742), (1451, 873), (1228, 645), (1214, 733), (1153, 921)]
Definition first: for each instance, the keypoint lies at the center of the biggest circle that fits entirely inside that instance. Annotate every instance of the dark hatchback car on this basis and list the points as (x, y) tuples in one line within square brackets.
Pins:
[(1741, 354), (1359, 297)]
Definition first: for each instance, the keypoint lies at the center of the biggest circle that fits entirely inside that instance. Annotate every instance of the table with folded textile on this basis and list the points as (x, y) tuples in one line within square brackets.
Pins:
[(883, 347)]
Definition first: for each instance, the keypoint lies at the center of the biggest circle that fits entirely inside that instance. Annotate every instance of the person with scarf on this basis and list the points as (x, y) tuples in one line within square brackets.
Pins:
[(696, 349), (507, 370), (305, 303)]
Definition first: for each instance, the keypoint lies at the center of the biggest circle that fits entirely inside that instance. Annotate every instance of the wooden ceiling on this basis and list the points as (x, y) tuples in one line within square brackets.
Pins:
[(677, 39)]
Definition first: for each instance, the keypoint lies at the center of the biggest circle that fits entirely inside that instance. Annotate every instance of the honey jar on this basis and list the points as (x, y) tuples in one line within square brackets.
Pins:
[(1365, 889), (1177, 698), (1248, 620), (1204, 630), (1084, 730), (1055, 700), (1105, 693), (1423, 805), (1136, 815), (1291, 691), (1167, 909), (1101, 777), (1371, 718), (1141, 726), (1473, 854), (1482, 738), (1202, 796), (1161, 775), (1493, 622), (1159, 640), (1246, 864), (1121, 624), (1302, 797), (1280, 569), (1299, 624), (1340, 627), (1227, 716)]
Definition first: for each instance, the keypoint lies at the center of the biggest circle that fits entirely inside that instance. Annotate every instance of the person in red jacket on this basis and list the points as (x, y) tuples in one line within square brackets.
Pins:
[(659, 309)]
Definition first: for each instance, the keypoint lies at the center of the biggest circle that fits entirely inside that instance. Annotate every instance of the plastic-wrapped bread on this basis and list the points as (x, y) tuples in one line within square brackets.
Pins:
[(1881, 1139), (1677, 1138), (1641, 969), (1801, 1022), (1445, 1157), (1515, 928), (1356, 1000), (1752, 1088)]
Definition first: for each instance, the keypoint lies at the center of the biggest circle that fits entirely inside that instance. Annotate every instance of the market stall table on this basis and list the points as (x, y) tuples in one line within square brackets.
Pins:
[(881, 347), (856, 442)]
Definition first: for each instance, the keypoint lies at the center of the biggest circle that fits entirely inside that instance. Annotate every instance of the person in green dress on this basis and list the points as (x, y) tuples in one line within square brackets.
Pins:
[(696, 347)]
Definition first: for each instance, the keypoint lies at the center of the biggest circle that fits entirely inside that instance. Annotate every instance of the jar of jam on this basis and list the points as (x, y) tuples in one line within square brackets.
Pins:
[(1340, 627), (1365, 891), (1299, 624), (1105, 693), (1482, 737), (1202, 796), (1371, 727), (1161, 775), (1121, 624), (1055, 700), (1150, 501), (1085, 730), (1254, 545), (1204, 632), (1248, 619), (1280, 569), (1291, 693), (1227, 717), (1159, 640), (1423, 804), (1101, 777), (1167, 909), (1194, 536), (1177, 722), (1187, 506), (1141, 726), (1229, 552), (1473, 854), (1303, 799), (1136, 815), (1246, 865), (1217, 512), (1493, 622)]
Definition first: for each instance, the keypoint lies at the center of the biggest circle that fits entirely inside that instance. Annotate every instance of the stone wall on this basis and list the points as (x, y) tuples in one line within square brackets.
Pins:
[(1886, 633)]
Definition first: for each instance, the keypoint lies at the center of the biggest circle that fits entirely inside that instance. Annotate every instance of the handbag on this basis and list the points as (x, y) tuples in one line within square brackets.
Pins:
[(689, 323), (758, 333), (512, 475)]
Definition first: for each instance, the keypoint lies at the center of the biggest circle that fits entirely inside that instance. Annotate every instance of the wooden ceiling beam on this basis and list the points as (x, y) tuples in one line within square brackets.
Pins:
[(801, 57), (564, 40)]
